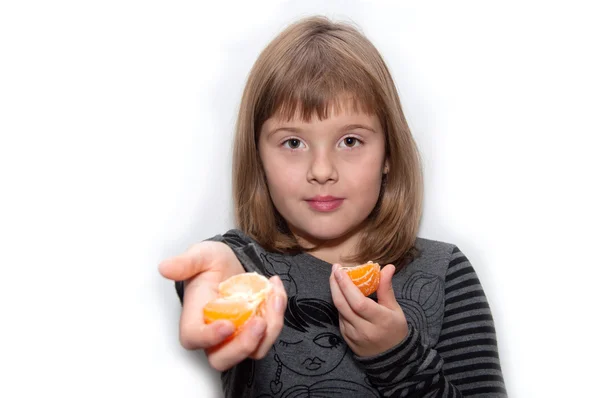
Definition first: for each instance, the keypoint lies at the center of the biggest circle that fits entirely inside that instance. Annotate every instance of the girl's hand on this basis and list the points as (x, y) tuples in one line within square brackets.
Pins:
[(203, 267), (368, 327)]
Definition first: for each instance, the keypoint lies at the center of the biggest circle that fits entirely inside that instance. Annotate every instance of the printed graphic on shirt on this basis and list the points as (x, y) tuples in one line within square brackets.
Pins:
[(242, 374), (422, 300), (327, 388), (274, 266), (311, 345)]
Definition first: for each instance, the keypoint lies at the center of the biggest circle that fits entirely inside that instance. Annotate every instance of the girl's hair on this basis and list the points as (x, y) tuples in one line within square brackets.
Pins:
[(311, 67), (303, 313)]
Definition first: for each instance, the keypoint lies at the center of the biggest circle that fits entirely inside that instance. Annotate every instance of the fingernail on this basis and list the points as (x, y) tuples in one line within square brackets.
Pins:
[(278, 304), (257, 329), (338, 274)]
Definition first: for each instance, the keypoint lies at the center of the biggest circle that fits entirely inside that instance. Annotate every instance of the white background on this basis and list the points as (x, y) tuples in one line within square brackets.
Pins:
[(116, 120)]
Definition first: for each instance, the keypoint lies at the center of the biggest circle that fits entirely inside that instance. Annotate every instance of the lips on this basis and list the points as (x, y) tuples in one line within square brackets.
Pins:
[(325, 203), (313, 363)]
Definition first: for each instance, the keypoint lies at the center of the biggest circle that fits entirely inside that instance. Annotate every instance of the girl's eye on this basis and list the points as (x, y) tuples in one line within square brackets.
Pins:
[(293, 143), (351, 142), (327, 340)]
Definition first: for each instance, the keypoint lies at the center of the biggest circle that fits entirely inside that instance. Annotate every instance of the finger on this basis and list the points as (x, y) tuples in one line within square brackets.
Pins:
[(347, 314), (239, 348), (385, 291), (339, 301), (205, 336), (349, 331), (188, 264), (360, 305), (193, 332), (274, 312)]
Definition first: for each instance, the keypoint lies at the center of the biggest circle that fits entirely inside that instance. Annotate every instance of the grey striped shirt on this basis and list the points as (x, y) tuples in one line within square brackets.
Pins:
[(450, 351)]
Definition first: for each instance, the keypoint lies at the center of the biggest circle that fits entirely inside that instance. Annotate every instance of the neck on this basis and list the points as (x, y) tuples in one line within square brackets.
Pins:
[(333, 251)]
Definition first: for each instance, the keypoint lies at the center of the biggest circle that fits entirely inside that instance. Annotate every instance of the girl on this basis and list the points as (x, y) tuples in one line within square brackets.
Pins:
[(326, 173)]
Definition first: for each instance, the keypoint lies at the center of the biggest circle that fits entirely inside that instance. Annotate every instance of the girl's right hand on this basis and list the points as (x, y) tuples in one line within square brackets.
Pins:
[(203, 266)]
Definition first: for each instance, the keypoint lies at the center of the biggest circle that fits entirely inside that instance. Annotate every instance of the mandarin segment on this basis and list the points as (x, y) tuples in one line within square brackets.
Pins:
[(240, 298), (236, 311), (249, 285), (365, 277)]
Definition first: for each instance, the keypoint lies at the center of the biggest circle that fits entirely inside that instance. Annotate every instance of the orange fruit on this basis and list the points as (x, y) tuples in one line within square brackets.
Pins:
[(240, 298), (365, 276), (236, 311)]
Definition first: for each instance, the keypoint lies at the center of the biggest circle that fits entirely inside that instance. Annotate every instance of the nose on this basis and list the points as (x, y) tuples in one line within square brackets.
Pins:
[(322, 167)]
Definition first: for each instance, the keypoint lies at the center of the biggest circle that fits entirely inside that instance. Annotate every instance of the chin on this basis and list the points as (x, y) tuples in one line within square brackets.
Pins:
[(325, 232)]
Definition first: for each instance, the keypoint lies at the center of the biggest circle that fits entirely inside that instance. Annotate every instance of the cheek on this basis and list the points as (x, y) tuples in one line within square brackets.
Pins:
[(366, 178), (282, 179)]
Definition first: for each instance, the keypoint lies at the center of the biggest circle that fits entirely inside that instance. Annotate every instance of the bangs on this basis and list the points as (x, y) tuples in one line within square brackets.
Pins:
[(317, 79)]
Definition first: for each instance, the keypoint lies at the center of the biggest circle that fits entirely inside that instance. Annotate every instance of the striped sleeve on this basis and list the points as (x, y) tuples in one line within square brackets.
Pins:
[(464, 362), (467, 342)]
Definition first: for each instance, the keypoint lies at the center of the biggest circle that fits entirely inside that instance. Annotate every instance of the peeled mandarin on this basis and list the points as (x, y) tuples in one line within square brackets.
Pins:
[(236, 311), (240, 298), (365, 277)]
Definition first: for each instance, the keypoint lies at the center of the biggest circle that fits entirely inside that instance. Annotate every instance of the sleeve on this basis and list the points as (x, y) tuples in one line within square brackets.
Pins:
[(463, 363), (245, 249)]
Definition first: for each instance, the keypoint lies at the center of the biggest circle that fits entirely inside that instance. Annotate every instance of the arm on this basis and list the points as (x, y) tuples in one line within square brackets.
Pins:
[(463, 363)]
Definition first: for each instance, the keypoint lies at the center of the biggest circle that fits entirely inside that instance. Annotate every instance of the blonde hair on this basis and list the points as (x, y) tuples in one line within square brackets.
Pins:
[(308, 68)]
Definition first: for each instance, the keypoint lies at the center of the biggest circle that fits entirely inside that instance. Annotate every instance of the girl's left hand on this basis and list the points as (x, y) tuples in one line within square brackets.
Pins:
[(368, 327)]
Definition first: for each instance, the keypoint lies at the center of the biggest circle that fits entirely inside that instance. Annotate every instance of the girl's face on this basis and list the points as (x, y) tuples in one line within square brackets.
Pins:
[(324, 176)]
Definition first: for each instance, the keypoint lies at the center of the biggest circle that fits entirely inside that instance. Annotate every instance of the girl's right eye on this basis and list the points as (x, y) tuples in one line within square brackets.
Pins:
[(293, 143)]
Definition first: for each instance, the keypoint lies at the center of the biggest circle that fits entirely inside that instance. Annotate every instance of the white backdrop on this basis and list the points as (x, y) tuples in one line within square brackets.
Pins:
[(116, 120)]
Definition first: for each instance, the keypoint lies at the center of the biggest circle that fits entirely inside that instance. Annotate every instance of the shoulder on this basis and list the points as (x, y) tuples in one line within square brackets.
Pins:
[(448, 262), (435, 250), (438, 255), (434, 247), (234, 238)]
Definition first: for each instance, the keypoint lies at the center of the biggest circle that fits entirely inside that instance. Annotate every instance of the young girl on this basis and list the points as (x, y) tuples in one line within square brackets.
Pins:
[(326, 173)]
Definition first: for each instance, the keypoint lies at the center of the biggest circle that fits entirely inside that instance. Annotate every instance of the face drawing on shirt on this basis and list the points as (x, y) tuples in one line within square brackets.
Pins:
[(274, 265), (311, 344)]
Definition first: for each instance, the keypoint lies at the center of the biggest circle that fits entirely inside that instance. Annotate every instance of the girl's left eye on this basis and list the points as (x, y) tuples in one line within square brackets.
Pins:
[(351, 142), (293, 143)]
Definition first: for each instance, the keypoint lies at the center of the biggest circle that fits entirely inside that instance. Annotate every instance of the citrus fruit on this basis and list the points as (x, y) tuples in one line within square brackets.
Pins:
[(365, 276), (240, 297)]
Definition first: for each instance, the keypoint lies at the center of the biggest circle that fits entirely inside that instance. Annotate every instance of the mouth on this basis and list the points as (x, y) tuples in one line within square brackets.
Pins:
[(313, 363), (325, 203)]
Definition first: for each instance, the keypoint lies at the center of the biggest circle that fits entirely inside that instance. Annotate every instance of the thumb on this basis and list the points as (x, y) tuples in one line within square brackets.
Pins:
[(385, 291), (189, 264)]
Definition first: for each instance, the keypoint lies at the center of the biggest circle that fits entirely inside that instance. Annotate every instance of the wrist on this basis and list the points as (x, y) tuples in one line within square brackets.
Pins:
[(400, 350)]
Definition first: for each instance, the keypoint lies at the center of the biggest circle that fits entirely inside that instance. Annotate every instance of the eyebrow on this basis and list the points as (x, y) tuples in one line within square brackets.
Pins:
[(344, 128), (358, 126)]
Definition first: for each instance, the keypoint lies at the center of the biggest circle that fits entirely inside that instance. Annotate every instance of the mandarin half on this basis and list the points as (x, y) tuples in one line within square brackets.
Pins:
[(365, 276), (240, 298)]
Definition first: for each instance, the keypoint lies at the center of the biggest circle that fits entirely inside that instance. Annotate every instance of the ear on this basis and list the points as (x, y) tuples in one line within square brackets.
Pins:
[(386, 166)]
